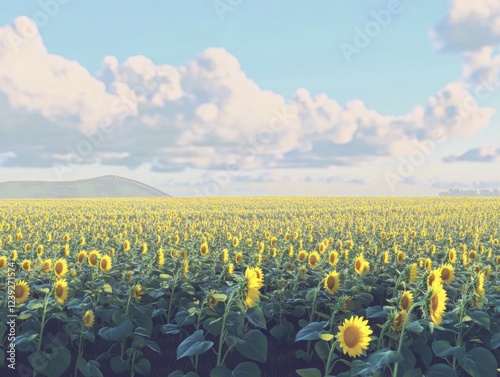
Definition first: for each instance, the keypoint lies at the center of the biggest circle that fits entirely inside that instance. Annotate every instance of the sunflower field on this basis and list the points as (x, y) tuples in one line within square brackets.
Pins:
[(249, 287)]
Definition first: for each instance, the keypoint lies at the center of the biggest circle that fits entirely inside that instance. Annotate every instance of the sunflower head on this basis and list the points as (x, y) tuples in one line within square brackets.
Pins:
[(61, 290), (137, 292), (447, 273), (413, 273), (332, 282), (399, 320), (437, 302), (88, 318), (434, 277), (3, 262), (252, 286), (406, 300), (354, 336), (21, 291), (94, 257), (61, 268), (314, 259)]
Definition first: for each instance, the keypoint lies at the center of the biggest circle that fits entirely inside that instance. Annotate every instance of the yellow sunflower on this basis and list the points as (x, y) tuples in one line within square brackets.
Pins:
[(314, 259), (437, 303), (252, 287), (61, 268), (61, 290), (225, 255), (3, 262), (332, 282), (428, 264), (359, 265), (21, 291), (204, 249), (105, 263), (88, 318), (434, 277), (46, 266), (406, 300), (413, 273), (302, 255), (452, 255), (354, 336), (137, 293), (230, 269), (126, 245), (447, 273), (401, 257), (386, 257), (399, 320), (82, 255), (333, 258), (94, 257), (26, 265)]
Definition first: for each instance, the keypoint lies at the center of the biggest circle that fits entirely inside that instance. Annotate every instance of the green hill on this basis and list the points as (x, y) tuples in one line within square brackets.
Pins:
[(101, 187)]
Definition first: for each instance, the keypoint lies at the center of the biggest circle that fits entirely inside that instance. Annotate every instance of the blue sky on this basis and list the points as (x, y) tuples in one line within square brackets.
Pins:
[(355, 121)]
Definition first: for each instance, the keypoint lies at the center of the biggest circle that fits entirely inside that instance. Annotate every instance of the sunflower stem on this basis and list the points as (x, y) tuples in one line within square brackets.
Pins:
[(401, 336)]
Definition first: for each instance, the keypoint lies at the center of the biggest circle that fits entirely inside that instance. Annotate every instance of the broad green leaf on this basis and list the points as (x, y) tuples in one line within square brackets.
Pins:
[(309, 372), (193, 345), (311, 331), (53, 364), (117, 333), (479, 362), (253, 345), (441, 370)]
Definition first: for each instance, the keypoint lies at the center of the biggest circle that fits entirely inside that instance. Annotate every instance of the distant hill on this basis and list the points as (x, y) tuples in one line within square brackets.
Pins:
[(101, 187), (458, 192)]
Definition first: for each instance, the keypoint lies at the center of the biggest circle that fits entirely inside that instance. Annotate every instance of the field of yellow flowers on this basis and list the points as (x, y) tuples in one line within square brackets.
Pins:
[(250, 287)]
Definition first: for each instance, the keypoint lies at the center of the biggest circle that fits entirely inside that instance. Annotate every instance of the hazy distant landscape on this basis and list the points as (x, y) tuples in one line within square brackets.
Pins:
[(100, 187)]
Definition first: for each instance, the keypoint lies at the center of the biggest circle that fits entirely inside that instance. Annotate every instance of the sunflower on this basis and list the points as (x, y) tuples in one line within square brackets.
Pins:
[(225, 255), (21, 291), (437, 303), (105, 263), (26, 265), (160, 257), (236, 242), (14, 256), (447, 273), (290, 252), (252, 287), (185, 267), (401, 257), (230, 269), (3, 262), (386, 257), (82, 255), (260, 275), (480, 285), (332, 282), (61, 268), (46, 266), (302, 255), (434, 277), (137, 292), (359, 265), (406, 301), (93, 257), (354, 336), (88, 318), (413, 273), (452, 255), (126, 245), (428, 264), (399, 320), (333, 258), (314, 259), (239, 257), (61, 290)]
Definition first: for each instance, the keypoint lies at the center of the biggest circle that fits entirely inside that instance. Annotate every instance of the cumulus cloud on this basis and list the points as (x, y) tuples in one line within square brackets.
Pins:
[(469, 25), (484, 154), (205, 114)]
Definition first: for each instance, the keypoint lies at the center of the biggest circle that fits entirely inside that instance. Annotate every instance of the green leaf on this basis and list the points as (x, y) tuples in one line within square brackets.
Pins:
[(495, 341), (253, 345), (194, 344), (309, 372), (311, 331), (441, 370), (143, 367), (246, 369), (118, 365), (415, 327), (53, 364), (153, 345), (481, 318), (256, 317), (376, 312), (117, 333), (34, 305), (322, 350), (423, 351), (479, 362), (439, 346), (383, 357), (413, 373), (283, 332), (88, 369)]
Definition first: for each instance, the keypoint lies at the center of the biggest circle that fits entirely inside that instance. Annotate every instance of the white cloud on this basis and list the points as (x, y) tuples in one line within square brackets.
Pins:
[(204, 114), (485, 154), (469, 25)]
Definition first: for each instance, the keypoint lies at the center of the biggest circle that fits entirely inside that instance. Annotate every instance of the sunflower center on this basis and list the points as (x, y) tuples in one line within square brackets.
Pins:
[(59, 268), (431, 279), (313, 259), (358, 264), (59, 291), (331, 282), (404, 302), (351, 336), (445, 274), (19, 291), (434, 302), (104, 263)]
